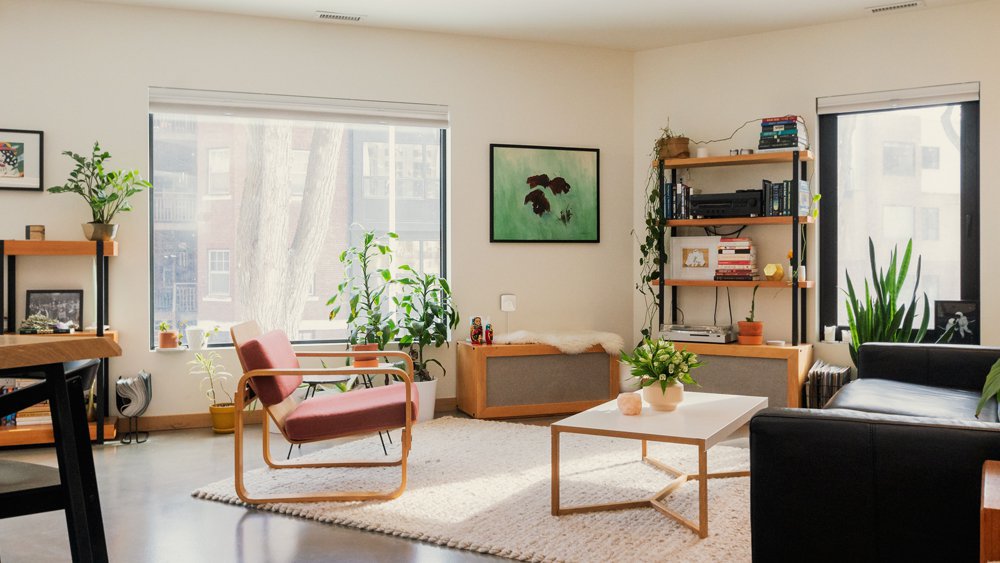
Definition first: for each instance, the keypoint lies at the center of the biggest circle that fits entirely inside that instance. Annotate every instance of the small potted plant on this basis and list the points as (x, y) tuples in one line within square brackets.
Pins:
[(168, 337), (672, 145), (752, 330), (661, 371), (364, 289), (106, 192), (427, 315), (214, 386)]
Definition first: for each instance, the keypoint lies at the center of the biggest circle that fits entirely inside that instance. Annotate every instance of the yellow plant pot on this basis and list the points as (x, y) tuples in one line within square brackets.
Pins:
[(223, 417)]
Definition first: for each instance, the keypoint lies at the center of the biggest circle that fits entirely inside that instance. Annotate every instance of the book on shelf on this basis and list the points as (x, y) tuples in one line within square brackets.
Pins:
[(736, 267), (781, 133), (778, 126), (724, 262), (779, 119), (744, 251), (799, 148), (736, 278)]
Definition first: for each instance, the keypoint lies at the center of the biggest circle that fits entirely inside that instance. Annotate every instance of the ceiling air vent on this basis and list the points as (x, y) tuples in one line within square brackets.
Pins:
[(339, 17), (889, 8)]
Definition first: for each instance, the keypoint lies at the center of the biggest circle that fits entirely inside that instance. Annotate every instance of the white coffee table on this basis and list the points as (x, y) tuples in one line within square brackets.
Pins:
[(702, 420)]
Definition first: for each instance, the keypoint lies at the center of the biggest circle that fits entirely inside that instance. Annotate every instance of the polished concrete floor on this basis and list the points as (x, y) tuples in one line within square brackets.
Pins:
[(150, 515)]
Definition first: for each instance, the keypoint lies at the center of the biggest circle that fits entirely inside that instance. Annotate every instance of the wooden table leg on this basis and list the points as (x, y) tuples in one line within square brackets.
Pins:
[(703, 492), (555, 471), (76, 466)]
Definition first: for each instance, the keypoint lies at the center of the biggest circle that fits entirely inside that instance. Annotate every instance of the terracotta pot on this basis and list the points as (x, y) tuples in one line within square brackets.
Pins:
[(365, 361), (169, 338), (751, 332), (100, 231), (661, 400), (674, 147), (223, 417)]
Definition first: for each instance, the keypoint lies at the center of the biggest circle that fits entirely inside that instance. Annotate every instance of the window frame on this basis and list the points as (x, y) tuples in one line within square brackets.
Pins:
[(969, 212), (209, 294), (443, 181)]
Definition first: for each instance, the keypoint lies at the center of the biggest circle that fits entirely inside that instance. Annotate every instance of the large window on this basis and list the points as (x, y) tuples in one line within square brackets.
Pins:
[(893, 175), (301, 187)]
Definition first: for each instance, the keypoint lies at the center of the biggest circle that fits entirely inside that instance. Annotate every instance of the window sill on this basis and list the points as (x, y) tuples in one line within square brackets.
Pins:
[(217, 299)]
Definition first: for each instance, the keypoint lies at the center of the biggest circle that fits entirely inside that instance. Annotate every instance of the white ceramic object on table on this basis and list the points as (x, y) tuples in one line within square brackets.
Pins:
[(661, 400)]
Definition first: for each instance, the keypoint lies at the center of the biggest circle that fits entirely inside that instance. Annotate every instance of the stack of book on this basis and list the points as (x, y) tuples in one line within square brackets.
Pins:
[(822, 382), (737, 260), (781, 134), (778, 198), (38, 413)]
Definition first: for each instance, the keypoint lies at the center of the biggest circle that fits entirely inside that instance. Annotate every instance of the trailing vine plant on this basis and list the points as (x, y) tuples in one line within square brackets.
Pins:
[(651, 249)]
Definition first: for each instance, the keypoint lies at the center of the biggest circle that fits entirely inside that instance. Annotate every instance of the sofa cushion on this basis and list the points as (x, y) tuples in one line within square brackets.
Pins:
[(896, 397), (340, 414)]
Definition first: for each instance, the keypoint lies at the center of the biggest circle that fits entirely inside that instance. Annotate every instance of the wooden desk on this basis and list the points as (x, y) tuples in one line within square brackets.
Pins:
[(989, 513), (76, 492)]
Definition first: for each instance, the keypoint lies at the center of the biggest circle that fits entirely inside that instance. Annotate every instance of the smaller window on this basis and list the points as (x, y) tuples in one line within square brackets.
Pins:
[(218, 171), (898, 159), (218, 273), (930, 223), (297, 174), (375, 168), (930, 158)]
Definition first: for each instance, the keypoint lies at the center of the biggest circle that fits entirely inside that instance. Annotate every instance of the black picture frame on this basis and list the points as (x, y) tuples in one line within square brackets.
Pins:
[(513, 216), (64, 302), (967, 312), (32, 159)]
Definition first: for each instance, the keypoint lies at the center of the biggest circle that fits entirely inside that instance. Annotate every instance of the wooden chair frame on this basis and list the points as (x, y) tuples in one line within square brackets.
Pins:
[(280, 411)]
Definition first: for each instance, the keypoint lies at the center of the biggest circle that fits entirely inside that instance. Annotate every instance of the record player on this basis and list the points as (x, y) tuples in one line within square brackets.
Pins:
[(706, 334)]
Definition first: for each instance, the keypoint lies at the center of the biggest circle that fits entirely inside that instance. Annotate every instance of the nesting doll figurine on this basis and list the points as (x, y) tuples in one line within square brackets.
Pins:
[(476, 331)]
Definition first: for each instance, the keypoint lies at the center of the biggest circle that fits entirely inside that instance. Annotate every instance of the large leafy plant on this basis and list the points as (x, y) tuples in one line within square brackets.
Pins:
[(991, 388), (427, 315), (881, 316), (367, 279), (659, 362), (106, 192)]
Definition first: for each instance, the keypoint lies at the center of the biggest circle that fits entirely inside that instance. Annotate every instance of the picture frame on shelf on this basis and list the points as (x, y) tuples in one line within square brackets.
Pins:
[(63, 305), (694, 258), (964, 315), (21, 159), (544, 194)]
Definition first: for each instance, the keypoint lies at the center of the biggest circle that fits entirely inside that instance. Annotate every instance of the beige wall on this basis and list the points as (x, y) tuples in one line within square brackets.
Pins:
[(81, 73), (707, 89)]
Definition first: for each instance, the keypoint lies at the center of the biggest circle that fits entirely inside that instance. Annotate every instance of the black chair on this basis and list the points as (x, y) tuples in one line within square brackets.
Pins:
[(28, 488)]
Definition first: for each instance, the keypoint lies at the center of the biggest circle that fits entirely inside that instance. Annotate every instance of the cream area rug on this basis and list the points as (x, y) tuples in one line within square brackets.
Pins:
[(485, 486)]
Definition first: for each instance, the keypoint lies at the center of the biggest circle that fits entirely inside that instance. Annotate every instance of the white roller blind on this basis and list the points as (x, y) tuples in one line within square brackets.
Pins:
[(888, 99), (242, 104)]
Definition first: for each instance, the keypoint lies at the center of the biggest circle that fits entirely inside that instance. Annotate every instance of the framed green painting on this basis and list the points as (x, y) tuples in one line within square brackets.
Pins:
[(544, 194)]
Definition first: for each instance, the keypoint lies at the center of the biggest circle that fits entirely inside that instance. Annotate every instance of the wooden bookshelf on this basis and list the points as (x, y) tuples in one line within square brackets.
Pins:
[(57, 248), (713, 283), (748, 221), (740, 160), (42, 433)]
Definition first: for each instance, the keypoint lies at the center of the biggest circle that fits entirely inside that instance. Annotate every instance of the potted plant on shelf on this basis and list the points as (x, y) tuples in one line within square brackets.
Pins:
[(364, 289), (427, 315), (752, 330), (213, 385), (672, 145), (168, 338), (661, 371), (106, 192)]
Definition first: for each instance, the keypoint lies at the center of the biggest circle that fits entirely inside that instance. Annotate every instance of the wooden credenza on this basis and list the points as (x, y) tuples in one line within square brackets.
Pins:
[(511, 380)]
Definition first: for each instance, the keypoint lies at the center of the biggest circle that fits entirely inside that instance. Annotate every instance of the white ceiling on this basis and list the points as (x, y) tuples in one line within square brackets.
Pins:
[(620, 24)]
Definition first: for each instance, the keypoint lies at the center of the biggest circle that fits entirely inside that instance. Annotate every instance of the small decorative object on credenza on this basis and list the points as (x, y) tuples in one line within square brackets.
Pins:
[(168, 338), (476, 330), (106, 192), (488, 332), (752, 330), (21, 159), (774, 272), (661, 370), (34, 232), (41, 324), (63, 305)]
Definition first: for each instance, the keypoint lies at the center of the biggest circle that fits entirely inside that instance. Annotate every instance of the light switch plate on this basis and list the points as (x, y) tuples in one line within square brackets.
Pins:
[(508, 302)]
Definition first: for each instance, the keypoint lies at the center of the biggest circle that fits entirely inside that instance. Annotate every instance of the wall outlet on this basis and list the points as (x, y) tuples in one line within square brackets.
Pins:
[(508, 303)]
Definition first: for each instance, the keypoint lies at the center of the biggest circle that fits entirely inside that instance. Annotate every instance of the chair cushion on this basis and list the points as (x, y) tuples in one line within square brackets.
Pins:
[(896, 397), (271, 351), (341, 414)]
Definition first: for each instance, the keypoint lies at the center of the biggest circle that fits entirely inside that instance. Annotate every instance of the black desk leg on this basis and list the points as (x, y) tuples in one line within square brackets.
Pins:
[(76, 467)]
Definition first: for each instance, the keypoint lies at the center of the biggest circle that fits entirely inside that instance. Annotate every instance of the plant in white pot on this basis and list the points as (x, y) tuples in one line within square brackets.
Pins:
[(106, 192), (214, 386), (661, 370), (427, 314)]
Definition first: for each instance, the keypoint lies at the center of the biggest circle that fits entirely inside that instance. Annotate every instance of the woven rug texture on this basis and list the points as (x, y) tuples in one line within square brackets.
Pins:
[(484, 486)]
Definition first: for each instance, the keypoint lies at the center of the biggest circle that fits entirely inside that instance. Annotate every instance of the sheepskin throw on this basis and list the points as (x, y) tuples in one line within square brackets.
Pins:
[(567, 341)]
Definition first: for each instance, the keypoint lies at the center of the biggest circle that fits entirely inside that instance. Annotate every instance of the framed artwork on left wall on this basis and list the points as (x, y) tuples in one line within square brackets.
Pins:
[(21, 159)]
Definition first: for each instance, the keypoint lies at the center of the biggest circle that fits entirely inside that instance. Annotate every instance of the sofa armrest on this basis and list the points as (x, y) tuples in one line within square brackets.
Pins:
[(838, 485), (940, 365)]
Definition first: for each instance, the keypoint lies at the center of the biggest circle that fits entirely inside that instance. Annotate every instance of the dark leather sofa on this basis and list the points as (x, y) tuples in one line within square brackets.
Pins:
[(890, 470)]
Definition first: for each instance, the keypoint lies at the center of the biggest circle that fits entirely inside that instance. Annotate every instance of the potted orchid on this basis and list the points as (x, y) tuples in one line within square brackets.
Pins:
[(661, 371)]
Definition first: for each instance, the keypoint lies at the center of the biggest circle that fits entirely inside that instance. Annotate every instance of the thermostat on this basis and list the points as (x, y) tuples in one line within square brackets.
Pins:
[(508, 302)]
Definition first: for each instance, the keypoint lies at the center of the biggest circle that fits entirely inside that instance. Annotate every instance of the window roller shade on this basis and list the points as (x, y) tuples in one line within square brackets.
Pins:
[(892, 99), (271, 106)]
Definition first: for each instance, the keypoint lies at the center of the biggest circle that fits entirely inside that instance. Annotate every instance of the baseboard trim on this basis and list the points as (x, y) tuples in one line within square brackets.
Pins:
[(204, 420)]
